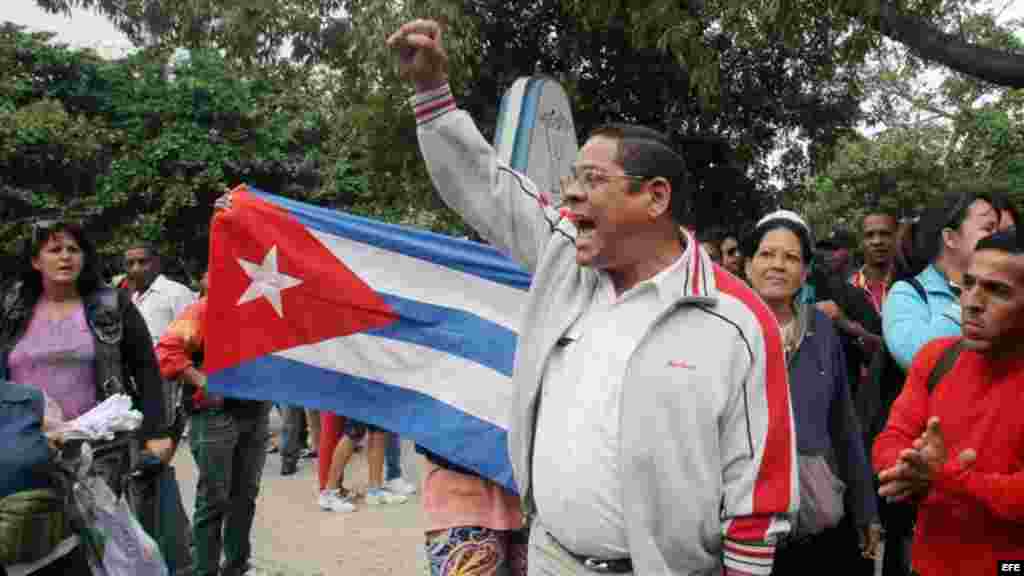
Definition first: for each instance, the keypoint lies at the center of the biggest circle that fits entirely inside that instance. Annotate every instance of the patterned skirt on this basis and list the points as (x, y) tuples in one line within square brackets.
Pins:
[(472, 551)]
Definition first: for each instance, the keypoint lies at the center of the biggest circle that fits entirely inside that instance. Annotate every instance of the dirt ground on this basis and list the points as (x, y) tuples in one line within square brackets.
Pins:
[(292, 536)]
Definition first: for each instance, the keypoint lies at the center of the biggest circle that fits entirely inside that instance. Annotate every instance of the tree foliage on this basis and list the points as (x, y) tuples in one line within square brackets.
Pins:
[(135, 155), (302, 97), (726, 141), (248, 31), (931, 28), (933, 131), (769, 89)]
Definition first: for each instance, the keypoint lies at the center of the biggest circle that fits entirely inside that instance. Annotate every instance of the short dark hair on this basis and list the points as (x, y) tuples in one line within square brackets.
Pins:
[(1006, 241), (149, 247), (646, 152), (840, 238), (753, 240), (710, 235), (31, 280), (879, 211)]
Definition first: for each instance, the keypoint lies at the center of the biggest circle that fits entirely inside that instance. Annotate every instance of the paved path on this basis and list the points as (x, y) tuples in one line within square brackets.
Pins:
[(293, 537)]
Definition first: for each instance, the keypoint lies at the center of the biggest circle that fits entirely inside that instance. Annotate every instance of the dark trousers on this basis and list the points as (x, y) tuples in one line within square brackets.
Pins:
[(898, 521), (393, 458), (230, 451), (835, 548), (72, 564), (294, 427)]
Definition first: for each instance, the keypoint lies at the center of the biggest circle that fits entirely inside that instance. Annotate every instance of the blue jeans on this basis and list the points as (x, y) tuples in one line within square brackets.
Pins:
[(393, 458)]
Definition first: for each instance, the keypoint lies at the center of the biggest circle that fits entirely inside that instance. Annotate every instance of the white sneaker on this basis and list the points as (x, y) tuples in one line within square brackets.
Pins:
[(333, 501), (384, 496), (400, 486)]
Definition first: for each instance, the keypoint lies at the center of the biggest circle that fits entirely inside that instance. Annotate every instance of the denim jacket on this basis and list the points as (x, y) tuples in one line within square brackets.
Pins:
[(826, 426), (26, 452)]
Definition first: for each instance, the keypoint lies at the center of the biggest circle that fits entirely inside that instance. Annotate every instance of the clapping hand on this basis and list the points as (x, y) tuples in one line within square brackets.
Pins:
[(911, 477)]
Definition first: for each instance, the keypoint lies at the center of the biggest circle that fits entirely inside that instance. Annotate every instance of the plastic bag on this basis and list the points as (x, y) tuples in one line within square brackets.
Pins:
[(115, 543)]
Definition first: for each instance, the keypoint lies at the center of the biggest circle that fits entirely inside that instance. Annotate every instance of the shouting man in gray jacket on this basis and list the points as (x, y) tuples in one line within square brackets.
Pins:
[(652, 432)]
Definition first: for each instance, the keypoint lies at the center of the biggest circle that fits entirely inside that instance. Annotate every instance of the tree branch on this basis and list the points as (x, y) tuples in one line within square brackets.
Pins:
[(996, 66)]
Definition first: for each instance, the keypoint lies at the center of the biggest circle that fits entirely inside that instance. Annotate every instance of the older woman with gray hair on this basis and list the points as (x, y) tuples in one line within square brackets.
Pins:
[(836, 487)]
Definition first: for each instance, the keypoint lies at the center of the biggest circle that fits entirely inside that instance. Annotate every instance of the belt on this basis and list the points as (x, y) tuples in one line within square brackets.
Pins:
[(597, 565)]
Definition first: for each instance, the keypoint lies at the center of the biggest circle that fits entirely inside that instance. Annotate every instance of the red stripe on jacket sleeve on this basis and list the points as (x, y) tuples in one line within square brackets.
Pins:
[(773, 486)]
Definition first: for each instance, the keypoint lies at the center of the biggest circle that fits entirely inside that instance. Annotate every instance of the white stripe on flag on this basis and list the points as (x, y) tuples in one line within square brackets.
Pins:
[(400, 275), (468, 386)]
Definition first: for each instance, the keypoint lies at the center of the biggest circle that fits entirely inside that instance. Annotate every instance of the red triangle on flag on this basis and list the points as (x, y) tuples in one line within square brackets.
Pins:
[(275, 286)]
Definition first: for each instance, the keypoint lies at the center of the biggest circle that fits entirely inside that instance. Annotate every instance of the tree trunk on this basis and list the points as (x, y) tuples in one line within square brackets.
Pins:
[(996, 66)]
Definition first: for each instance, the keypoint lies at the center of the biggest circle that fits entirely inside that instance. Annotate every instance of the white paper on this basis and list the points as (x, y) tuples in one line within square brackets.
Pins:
[(113, 415)]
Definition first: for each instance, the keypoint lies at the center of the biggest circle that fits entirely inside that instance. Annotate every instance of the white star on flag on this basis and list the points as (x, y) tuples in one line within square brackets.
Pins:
[(267, 282)]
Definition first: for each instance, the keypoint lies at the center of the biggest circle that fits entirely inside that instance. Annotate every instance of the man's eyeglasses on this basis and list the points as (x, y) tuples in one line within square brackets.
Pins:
[(590, 179)]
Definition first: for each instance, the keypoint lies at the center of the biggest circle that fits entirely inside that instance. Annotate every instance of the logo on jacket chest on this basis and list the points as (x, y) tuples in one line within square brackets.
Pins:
[(683, 364)]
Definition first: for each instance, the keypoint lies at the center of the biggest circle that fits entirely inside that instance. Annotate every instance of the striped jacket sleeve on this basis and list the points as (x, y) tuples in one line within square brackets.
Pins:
[(503, 206), (760, 478)]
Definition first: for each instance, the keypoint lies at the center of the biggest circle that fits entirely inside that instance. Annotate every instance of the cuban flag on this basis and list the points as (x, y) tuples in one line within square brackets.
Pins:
[(407, 330)]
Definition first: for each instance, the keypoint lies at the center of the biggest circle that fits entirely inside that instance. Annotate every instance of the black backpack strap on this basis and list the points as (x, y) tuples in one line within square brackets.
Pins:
[(944, 364), (917, 286)]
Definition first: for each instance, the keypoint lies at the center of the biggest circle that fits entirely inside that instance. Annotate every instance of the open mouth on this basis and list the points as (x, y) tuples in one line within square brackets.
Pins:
[(584, 226)]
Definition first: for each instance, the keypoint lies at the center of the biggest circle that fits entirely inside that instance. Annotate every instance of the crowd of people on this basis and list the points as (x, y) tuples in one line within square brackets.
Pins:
[(687, 401), (749, 404)]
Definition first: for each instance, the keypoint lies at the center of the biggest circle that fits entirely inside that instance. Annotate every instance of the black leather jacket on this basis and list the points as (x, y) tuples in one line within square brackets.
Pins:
[(125, 361)]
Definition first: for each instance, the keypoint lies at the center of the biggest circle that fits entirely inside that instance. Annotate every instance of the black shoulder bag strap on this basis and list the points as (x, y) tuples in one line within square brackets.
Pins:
[(918, 287), (944, 365)]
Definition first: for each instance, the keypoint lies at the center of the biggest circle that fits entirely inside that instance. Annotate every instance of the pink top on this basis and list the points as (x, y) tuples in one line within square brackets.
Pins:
[(58, 358), (452, 500)]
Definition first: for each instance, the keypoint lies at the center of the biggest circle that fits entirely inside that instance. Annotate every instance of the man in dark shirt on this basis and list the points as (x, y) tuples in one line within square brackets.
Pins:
[(849, 307)]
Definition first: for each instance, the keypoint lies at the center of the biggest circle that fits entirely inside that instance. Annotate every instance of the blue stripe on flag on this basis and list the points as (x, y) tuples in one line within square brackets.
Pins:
[(456, 332), (462, 255), (441, 428)]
